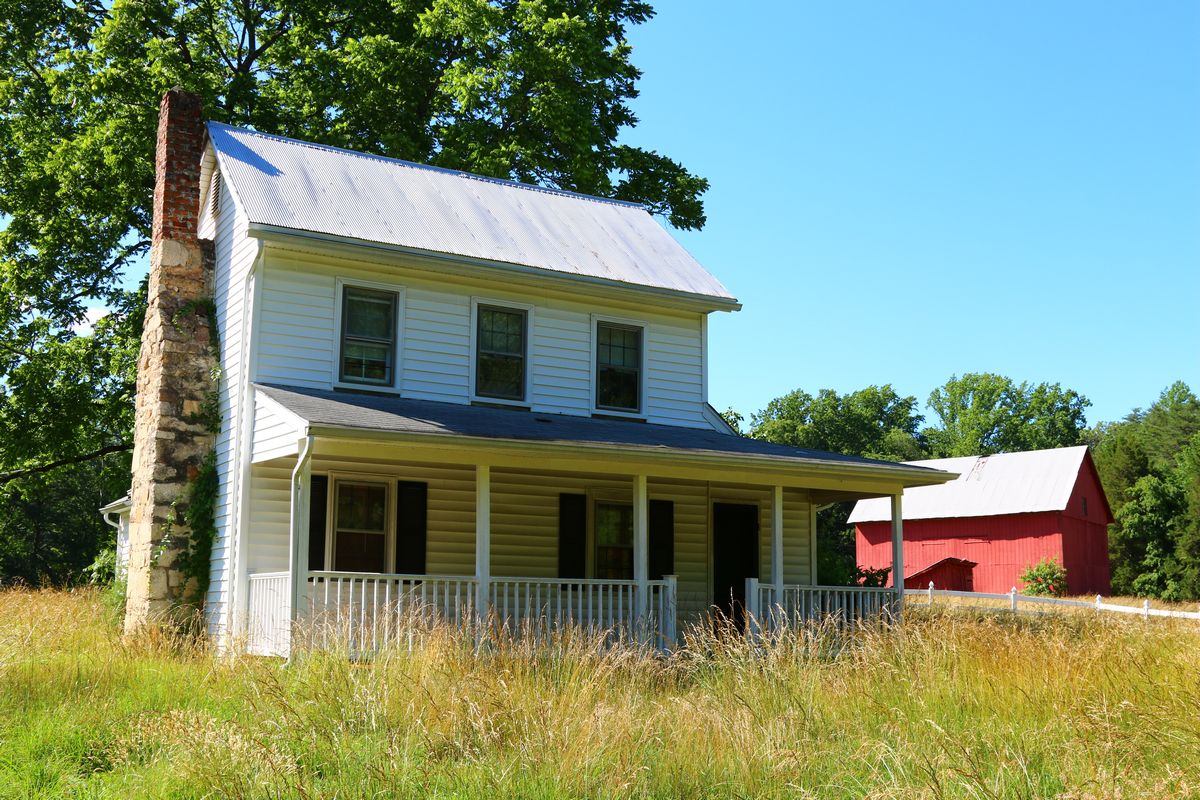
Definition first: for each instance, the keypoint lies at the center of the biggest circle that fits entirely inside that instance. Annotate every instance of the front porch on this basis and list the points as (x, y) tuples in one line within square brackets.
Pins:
[(350, 535), (707, 548)]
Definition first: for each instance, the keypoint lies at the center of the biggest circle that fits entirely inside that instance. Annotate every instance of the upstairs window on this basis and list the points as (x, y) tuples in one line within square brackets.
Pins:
[(618, 367), (500, 353), (368, 337)]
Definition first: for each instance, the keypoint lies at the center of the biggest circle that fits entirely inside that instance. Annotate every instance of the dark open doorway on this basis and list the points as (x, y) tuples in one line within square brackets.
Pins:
[(735, 558)]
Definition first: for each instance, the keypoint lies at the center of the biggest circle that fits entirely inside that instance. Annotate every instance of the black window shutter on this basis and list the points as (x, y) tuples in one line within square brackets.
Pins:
[(411, 520), (661, 538), (572, 536), (318, 505)]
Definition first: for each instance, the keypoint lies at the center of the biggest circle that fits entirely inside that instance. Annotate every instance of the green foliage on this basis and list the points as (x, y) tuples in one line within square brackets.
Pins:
[(733, 418), (103, 569), (984, 413), (865, 576), (1149, 464), (532, 91), (874, 422), (1047, 578), (200, 505)]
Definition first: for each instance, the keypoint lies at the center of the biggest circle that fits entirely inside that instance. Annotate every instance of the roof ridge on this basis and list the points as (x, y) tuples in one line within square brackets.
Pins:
[(430, 167)]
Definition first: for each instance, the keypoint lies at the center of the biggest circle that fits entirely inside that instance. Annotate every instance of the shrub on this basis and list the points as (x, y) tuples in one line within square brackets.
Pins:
[(1047, 578), (103, 570)]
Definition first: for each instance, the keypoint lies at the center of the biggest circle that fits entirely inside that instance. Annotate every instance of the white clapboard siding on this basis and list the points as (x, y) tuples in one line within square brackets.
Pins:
[(270, 517), (234, 253), (276, 431), (298, 342), (525, 520)]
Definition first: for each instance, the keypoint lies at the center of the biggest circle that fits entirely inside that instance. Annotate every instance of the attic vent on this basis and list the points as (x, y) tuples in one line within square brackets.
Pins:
[(214, 195)]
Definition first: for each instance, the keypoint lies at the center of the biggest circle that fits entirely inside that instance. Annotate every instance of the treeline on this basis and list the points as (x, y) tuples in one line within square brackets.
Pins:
[(1149, 461)]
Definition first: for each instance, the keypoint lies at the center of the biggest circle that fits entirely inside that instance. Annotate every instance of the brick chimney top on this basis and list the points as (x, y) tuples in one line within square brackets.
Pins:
[(181, 139)]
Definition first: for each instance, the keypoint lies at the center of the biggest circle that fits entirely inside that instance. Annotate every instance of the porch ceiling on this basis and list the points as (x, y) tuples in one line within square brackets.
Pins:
[(343, 413)]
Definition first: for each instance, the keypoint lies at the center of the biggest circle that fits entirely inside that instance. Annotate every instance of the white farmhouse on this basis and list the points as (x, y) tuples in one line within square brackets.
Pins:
[(484, 396)]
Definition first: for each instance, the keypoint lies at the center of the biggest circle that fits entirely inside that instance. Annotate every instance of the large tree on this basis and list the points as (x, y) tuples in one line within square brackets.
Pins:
[(982, 413), (533, 91), (1149, 464)]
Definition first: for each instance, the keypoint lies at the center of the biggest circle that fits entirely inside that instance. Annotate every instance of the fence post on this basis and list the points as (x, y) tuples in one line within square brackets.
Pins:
[(1098, 603), (1146, 607), (1012, 599), (931, 594)]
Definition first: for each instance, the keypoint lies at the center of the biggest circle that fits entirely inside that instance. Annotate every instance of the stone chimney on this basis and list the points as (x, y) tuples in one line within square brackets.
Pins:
[(174, 368)]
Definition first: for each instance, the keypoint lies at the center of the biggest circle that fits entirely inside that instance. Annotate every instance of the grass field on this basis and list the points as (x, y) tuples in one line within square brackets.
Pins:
[(949, 706)]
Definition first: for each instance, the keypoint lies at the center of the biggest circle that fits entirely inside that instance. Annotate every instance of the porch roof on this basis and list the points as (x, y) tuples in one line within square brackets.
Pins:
[(387, 414)]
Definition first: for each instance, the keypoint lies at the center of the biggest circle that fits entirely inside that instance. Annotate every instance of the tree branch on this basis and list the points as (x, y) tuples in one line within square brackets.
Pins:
[(5, 477)]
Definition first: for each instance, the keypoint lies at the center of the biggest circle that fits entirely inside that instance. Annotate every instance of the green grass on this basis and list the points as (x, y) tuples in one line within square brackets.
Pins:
[(950, 706)]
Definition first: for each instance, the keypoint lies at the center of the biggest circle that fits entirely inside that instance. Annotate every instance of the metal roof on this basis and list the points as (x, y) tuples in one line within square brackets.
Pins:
[(351, 411), (290, 184), (1010, 483)]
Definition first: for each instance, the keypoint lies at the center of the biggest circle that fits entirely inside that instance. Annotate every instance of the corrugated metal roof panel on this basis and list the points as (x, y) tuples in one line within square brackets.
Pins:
[(1010, 483), (297, 185)]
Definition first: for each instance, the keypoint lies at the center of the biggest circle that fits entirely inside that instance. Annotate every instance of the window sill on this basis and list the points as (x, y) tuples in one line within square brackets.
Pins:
[(624, 416), (366, 388), (496, 402)]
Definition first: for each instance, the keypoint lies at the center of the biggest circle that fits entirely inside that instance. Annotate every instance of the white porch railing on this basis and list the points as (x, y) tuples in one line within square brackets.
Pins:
[(367, 611), (268, 632), (801, 605), (537, 606)]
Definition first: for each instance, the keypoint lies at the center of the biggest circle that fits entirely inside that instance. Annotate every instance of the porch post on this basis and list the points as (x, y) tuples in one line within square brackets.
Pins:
[(776, 552), (813, 578), (641, 547), (298, 554), (898, 554), (483, 539)]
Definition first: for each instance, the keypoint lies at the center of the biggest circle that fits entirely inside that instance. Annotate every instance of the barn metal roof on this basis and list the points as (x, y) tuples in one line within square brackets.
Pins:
[(290, 184), (1010, 483), (388, 414)]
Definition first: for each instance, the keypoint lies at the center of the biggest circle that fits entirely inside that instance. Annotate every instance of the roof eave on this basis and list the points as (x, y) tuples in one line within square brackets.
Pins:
[(484, 267), (906, 476)]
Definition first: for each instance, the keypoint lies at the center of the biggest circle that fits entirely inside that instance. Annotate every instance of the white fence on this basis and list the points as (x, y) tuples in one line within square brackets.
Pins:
[(799, 605), (1014, 601)]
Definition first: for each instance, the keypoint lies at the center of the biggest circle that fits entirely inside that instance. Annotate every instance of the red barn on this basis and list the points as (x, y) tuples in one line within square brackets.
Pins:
[(1004, 513)]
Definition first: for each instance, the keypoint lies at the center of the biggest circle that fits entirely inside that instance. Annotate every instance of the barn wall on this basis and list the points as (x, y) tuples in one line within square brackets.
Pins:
[(1085, 555), (1002, 546), (1085, 535)]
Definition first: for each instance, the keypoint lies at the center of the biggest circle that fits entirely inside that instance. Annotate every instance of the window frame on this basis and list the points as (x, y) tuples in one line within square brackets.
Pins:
[(473, 356), (620, 322), (339, 335), (336, 479), (595, 499)]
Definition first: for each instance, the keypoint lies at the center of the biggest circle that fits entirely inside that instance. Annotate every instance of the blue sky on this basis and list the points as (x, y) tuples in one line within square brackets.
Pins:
[(904, 191)]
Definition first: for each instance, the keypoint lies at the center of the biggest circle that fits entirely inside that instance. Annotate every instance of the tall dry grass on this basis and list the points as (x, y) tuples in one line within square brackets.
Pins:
[(947, 706)]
